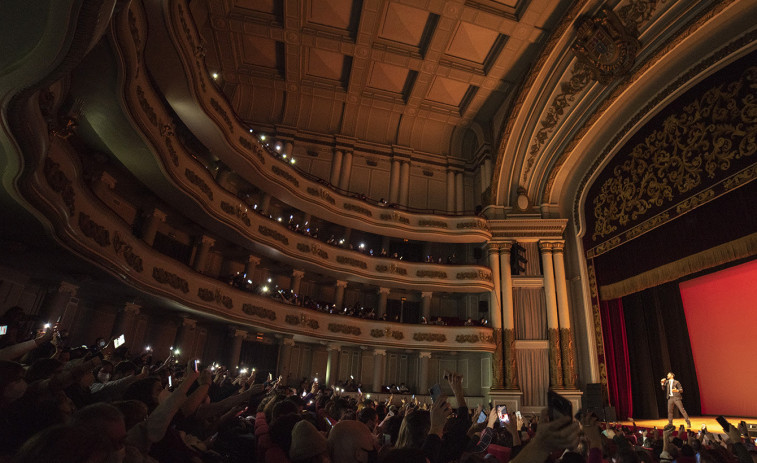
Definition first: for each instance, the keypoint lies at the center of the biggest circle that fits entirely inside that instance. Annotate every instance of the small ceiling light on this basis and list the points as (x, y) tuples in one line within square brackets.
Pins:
[(279, 219), (278, 147), (250, 130), (262, 137), (292, 161), (284, 155), (270, 281), (215, 76)]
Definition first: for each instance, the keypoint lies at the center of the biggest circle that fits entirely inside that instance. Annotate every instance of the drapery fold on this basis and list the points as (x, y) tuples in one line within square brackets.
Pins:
[(616, 357), (530, 313), (533, 371)]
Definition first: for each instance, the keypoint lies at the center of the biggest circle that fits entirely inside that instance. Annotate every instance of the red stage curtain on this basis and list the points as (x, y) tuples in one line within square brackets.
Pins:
[(616, 357)]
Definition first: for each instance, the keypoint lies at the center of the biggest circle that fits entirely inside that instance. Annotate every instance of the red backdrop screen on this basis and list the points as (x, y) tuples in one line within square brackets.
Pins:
[(721, 314)]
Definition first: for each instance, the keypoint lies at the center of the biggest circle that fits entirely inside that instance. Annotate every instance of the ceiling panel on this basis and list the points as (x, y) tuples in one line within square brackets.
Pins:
[(472, 42), (259, 51), (333, 13), (265, 6), (404, 24), (326, 64), (447, 91), (387, 77)]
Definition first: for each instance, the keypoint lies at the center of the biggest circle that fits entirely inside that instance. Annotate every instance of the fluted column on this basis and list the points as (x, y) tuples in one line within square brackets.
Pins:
[(336, 167), (459, 193), (339, 298), (394, 182), (296, 280), (105, 184), (285, 357), (404, 182), (495, 317), (566, 336), (201, 257), (236, 347), (58, 306), (383, 296), (450, 190), (488, 173), (250, 266), (332, 363), (185, 337), (555, 362), (265, 204), (346, 172), (152, 224), (379, 360), (508, 317), (426, 304), (288, 148), (125, 323), (423, 359)]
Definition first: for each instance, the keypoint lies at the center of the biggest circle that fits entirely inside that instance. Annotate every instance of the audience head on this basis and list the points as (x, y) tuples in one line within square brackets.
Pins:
[(308, 445), (414, 429), (351, 442), (12, 382)]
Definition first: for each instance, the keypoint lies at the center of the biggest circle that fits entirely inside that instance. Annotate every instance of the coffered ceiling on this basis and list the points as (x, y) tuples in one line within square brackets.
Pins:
[(389, 72)]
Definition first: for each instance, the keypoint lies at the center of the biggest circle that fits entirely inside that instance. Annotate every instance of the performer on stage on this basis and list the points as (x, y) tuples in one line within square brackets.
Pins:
[(673, 392)]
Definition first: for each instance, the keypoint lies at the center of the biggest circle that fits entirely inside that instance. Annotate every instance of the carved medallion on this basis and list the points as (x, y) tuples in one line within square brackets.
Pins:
[(606, 46)]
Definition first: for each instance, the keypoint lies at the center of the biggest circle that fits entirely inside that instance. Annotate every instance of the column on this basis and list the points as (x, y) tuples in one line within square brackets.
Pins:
[(285, 358), (379, 358), (508, 317), (332, 363), (336, 167), (59, 306), (201, 257), (236, 347), (495, 317), (566, 336), (423, 359), (404, 182), (339, 298), (555, 364), (459, 195), (250, 266), (394, 182), (288, 148), (383, 296), (344, 178), (426, 304), (126, 324), (185, 338), (152, 224), (488, 170), (265, 204), (296, 280), (450, 190)]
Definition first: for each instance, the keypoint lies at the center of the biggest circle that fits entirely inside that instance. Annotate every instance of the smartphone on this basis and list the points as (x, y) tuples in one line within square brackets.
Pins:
[(481, 417), (558, 406), (119, 341), (723, 422), (197, 365), (502, 414), (270, 376), (3, 330), (518, 415), (170, 382), (386, 439), (435, 392)]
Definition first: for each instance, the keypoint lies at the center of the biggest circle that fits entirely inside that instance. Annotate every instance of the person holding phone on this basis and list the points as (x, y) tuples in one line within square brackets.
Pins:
[(673, 390)]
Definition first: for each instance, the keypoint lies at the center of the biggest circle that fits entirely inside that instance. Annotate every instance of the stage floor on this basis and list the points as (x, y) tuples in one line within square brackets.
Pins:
[(696, 422)]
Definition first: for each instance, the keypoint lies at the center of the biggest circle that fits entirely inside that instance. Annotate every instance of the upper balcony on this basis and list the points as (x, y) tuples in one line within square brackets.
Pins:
[(179, 177), (88, 228), (182, 77)]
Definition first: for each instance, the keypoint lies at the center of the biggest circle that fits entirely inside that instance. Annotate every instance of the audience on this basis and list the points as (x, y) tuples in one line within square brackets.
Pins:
[(100, 405)]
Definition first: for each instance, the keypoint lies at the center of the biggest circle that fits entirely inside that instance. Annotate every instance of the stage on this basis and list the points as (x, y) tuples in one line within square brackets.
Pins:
[(696, 423)]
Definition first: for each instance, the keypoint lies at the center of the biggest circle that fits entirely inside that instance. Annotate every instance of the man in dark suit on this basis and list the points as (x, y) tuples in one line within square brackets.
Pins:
[(673, 392)]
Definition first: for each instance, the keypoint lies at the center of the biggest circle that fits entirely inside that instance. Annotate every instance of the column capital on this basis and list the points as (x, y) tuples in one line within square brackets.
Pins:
[(298, 273), (132, 308), (66, 287), (237, 333), (188, 322), (158, 214), (558, 246), (333, 346), (205, 239), (425, 294), (253, 259), (379, 351), (424, 354), (287, 341), (492, 248), (341, 283), (505, 246), (384, 290), (107, 179), (545, 246)]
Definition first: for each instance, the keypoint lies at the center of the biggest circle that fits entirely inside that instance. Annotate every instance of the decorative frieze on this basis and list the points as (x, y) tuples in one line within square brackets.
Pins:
[(391, 268), (123, 248), (474, 275), (431, 337), (302, 320), (346, 329), (60, 183), (93, 230), (359, 209), (197, 180), (321, 193), (315, 249), (222, 112), (258, 311), (395, 217), (236, 211), (171, 279), (265, 231), (351, 261), (432, 223), (210, 295)]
